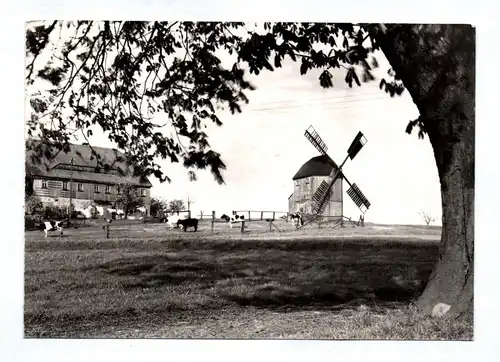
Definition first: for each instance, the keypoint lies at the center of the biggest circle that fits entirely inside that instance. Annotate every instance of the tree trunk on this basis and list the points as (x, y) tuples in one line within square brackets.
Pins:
[(436, 64)]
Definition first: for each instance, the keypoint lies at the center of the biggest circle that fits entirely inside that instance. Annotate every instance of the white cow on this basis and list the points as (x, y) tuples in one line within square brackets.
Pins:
[(120, 213), (53, 226), (296, 218), (235, 218), (172, 219)]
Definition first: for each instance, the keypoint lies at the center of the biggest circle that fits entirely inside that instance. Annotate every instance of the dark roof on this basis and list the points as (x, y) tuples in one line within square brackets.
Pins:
[(316, 166), (44, 166)]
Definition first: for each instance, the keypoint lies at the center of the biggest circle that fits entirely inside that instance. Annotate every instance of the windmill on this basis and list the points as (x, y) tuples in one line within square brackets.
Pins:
[(324, 191)]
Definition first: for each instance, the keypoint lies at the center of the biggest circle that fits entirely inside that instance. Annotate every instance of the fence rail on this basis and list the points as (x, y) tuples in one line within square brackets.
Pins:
[(320, 220)]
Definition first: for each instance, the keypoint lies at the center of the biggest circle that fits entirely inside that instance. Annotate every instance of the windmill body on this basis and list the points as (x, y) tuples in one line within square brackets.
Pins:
[(306, 182)]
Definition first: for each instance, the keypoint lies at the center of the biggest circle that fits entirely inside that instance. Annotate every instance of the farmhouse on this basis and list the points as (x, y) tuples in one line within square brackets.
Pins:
[(306, 182), (78, 171)]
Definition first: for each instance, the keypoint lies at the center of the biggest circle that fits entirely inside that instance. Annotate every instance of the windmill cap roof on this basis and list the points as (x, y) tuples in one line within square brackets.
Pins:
[(316, 166)]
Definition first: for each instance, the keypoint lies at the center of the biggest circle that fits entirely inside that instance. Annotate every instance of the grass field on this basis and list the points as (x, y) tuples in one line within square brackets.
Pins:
[(146, 281)]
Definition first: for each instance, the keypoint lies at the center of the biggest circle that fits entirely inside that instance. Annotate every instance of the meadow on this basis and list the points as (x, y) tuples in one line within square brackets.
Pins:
[(146, 281)]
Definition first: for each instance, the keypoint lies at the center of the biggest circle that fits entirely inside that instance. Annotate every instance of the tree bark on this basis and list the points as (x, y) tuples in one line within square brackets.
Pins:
[(436, 64)]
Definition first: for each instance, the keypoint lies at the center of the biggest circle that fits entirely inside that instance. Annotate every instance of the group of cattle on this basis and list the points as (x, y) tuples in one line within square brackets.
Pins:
[(176, 220), (106, 212), (296, 218)]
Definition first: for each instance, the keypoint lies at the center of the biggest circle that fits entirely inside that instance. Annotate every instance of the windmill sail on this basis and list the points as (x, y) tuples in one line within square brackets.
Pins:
[(358, 197), (316, 140), (324, 193)]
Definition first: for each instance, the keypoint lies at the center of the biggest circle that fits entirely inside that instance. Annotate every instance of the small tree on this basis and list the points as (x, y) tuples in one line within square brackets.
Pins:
[(176, 205), (427, 217), (32, 204), (128, 198), (157, 206), (28, 186)]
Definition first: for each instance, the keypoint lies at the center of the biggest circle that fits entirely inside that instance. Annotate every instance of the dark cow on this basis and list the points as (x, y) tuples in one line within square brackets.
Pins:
[(186, 223), (52, 226)]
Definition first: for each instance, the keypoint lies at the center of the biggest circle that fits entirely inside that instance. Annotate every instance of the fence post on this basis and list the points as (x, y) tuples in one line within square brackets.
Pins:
[(201, 215), (274, 215), (213, 220), (249, 215), (242, 227), (262, 215), (107, 230)]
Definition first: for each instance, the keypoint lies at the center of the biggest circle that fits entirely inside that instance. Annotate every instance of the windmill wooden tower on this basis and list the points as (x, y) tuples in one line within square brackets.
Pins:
[(324, 191)]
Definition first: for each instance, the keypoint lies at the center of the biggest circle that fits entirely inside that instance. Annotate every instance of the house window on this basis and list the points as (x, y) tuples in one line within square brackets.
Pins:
[(44, 184), (143, 192), (96, 188), (108, 189), (80, 187), (65, 186)]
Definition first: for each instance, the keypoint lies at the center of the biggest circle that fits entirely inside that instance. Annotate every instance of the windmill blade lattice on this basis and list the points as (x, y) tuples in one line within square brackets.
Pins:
[(358, 197), (316, 140), (323, 193)]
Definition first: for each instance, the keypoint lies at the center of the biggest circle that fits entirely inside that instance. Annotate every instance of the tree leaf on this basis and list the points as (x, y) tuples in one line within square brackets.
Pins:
[(355, 77), (304, 66), (277, 61)]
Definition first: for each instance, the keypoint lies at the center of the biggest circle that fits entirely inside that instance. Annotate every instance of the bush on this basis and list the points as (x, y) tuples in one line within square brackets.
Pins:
[(54, 212), (32, 222), (32, 204)]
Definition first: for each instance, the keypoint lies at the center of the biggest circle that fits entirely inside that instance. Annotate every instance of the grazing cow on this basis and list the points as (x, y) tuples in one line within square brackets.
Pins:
[(232, 220), (186, 223), (296, 218), (172, 220), (53, 226)]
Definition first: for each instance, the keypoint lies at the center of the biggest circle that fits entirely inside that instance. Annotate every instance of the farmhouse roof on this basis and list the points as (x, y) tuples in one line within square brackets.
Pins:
[(44, 167), (316, 166)]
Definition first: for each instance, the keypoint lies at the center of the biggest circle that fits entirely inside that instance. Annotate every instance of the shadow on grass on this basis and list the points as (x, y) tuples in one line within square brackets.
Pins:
[(287, 275)]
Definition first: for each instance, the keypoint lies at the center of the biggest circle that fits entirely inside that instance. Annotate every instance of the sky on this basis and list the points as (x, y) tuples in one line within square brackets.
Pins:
[(264, 146)]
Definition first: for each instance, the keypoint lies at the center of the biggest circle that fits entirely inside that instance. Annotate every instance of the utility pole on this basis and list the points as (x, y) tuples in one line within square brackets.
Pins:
[(189, 202), (70, 192)]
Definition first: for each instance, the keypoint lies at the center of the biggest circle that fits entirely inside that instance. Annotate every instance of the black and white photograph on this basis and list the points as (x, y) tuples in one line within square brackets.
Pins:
[(249, 180)]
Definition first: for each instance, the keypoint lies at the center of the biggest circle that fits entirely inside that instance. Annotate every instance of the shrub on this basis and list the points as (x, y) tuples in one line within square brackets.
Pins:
[(32, 204), (54, 212)]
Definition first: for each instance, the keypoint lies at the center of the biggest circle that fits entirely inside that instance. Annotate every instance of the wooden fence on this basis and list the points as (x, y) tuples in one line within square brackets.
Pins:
[(261, 216)]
